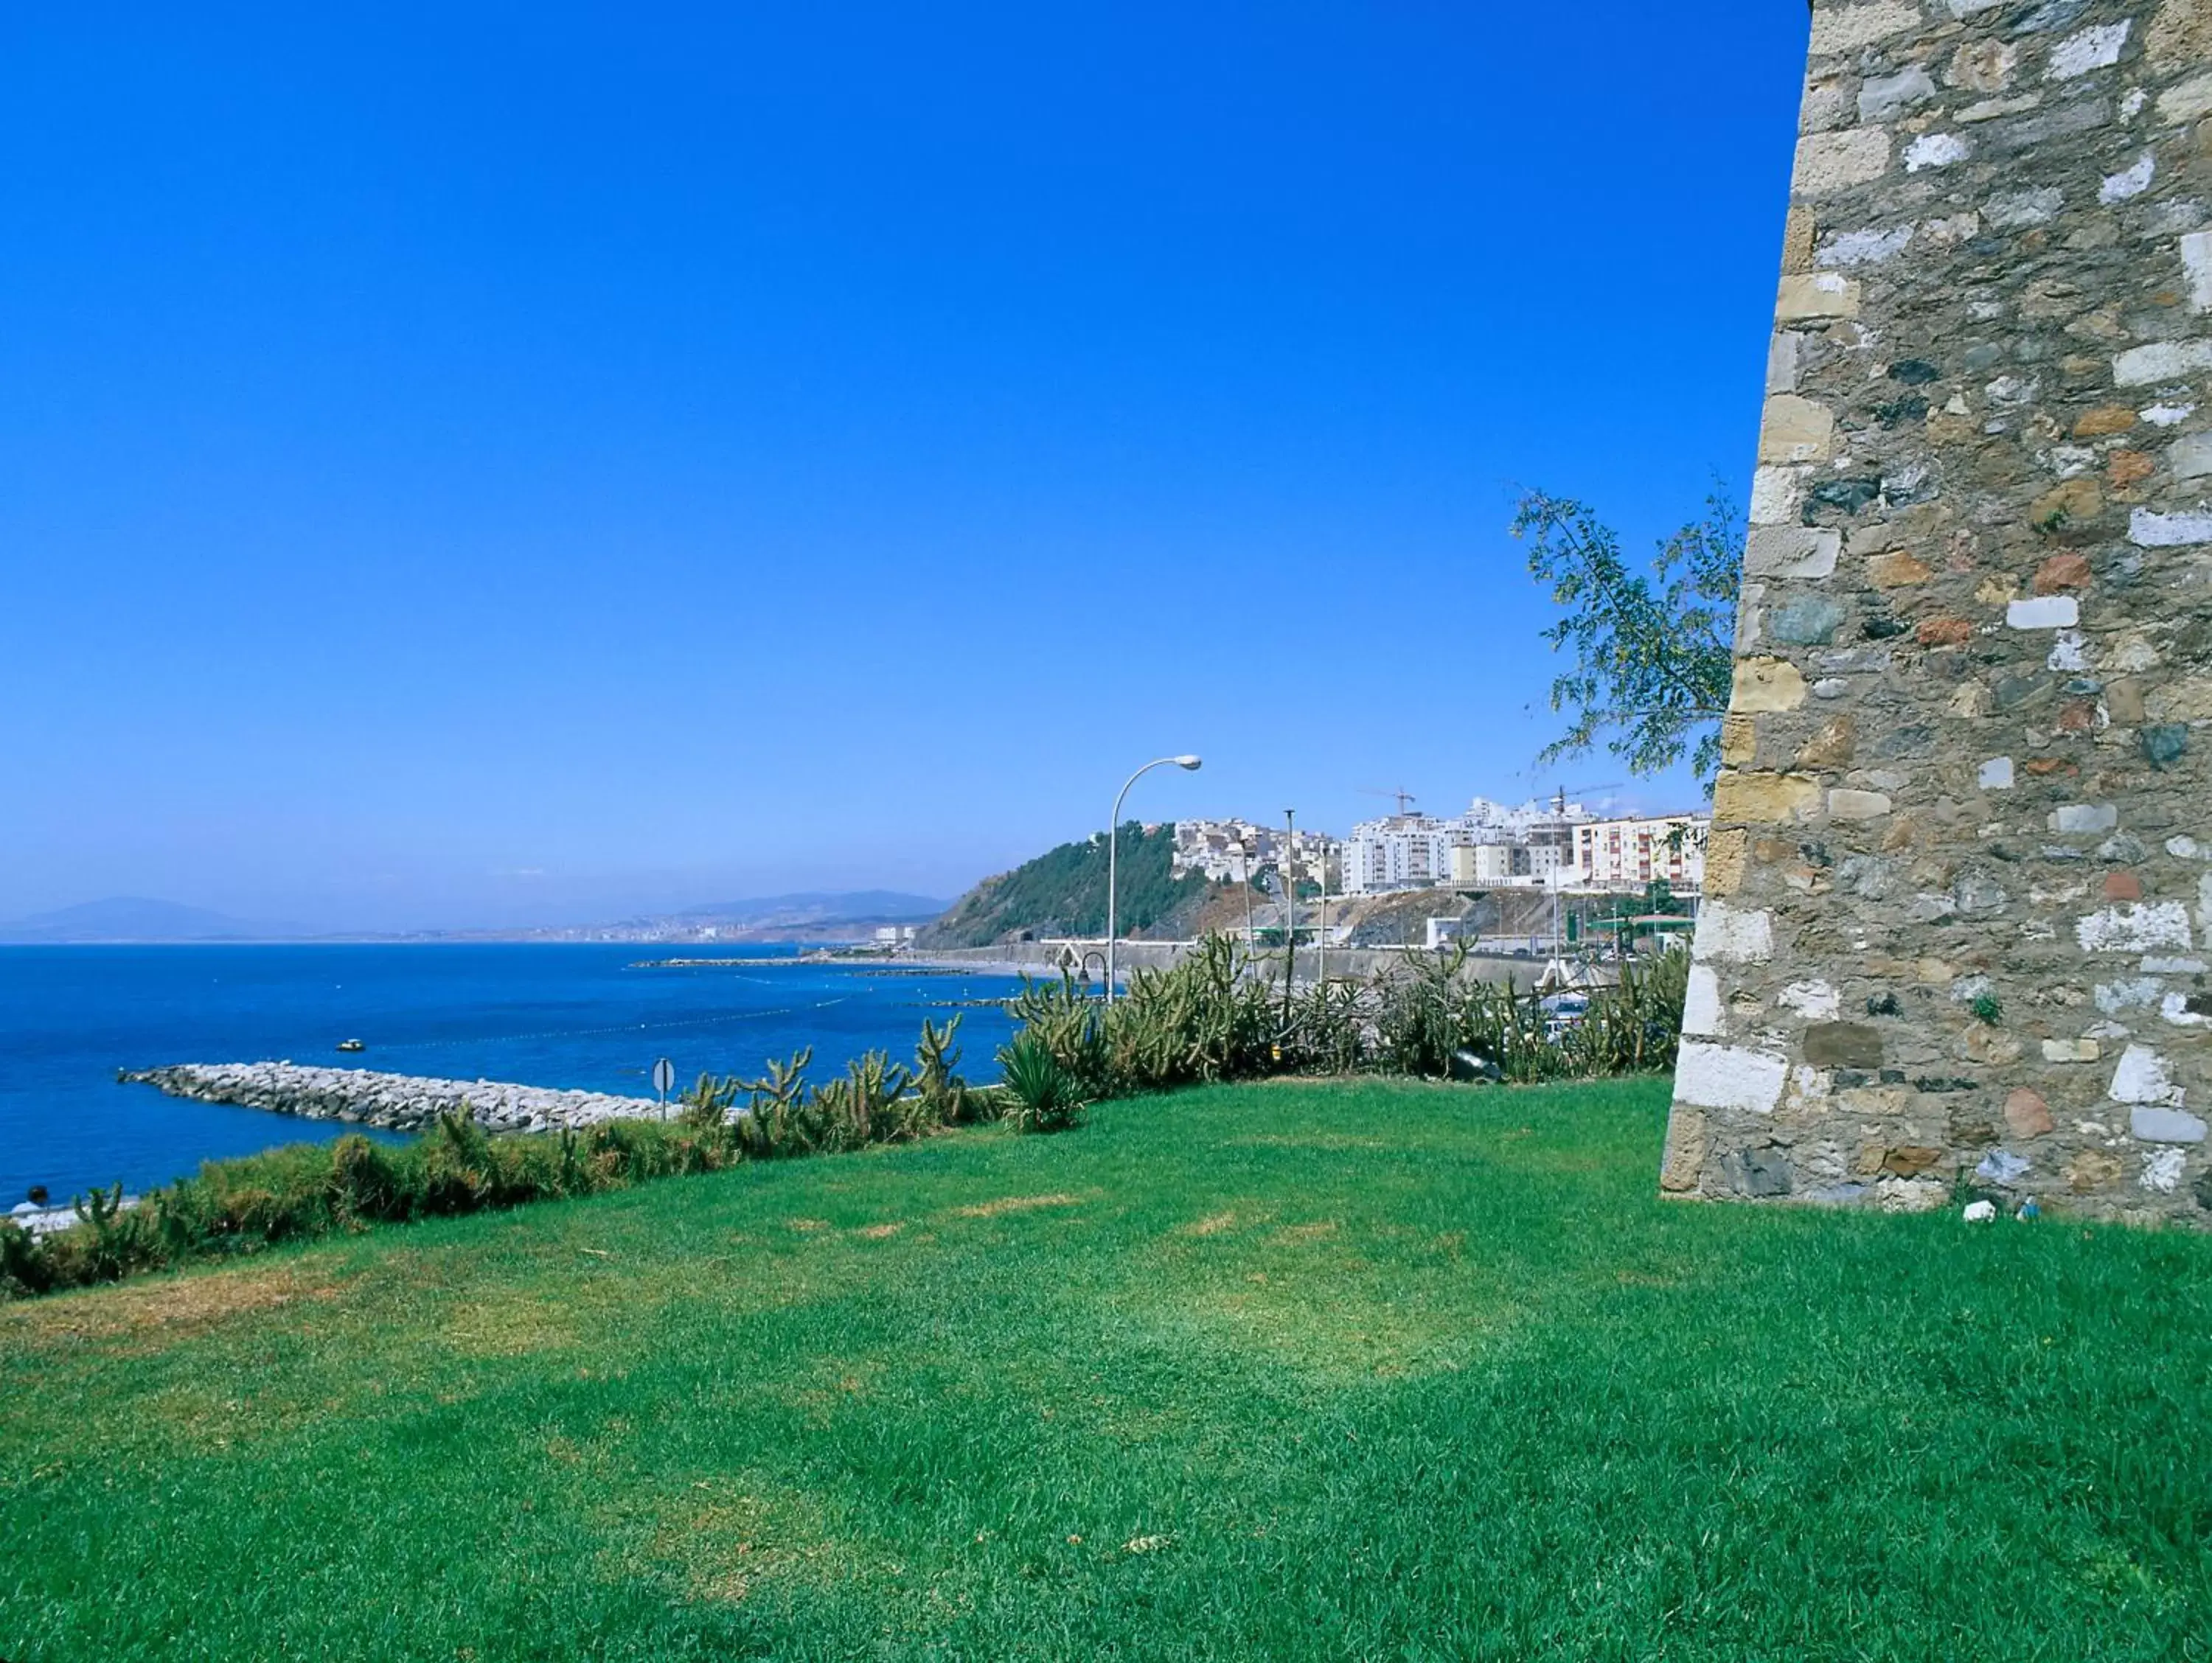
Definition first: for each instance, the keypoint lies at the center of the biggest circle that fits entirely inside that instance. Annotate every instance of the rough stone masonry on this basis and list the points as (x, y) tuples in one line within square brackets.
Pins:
[(1960, 882)]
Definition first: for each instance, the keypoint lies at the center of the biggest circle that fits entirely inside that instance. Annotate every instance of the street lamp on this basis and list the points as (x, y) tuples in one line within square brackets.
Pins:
[(1113, 850)]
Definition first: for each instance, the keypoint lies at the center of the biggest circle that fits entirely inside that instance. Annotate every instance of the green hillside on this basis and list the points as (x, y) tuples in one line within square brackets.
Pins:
[(1063, 893)]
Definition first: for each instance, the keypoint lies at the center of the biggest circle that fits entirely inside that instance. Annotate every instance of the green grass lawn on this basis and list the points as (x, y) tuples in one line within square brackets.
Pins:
[(1338, 1371)]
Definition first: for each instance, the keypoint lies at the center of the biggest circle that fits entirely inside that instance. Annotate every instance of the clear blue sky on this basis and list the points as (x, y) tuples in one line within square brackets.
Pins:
[(460, 464)]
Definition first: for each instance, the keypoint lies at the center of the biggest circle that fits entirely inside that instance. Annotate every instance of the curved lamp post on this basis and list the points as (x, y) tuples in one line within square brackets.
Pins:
[(1112, 849)]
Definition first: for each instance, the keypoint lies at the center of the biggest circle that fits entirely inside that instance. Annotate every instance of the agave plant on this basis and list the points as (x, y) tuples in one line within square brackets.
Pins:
[(1045, 1095)]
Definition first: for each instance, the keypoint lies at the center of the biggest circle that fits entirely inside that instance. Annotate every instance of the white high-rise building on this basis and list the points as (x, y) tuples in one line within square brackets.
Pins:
[(1401, 851)]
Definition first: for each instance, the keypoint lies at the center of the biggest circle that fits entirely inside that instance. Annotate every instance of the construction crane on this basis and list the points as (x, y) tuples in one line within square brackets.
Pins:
[(1559, 793), (1405, 798)]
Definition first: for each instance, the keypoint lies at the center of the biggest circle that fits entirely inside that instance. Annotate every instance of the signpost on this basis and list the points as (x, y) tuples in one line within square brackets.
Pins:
[(664, 1077)]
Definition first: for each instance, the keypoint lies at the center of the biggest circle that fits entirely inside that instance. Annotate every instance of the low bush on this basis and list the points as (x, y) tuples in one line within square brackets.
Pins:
[(1209, 1018)]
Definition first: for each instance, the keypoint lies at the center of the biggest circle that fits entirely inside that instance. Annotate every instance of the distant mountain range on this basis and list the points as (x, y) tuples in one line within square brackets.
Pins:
[(813, 915), (136, 918)]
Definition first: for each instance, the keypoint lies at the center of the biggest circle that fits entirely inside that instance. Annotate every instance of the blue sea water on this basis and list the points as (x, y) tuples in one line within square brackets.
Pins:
[(589, 1016)]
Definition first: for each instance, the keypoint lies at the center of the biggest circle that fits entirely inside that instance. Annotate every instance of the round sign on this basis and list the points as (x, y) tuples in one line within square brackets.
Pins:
[(664, 1077)]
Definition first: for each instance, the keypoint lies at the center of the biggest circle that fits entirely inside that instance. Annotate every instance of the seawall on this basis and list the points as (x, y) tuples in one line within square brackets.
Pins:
[(398, 1102)]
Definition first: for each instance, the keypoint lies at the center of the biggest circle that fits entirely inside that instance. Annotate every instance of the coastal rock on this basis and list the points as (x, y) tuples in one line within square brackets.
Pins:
[(398, 1102)]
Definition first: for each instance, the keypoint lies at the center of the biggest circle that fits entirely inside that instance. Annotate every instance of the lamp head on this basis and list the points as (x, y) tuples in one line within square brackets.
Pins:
[(1191, 762)]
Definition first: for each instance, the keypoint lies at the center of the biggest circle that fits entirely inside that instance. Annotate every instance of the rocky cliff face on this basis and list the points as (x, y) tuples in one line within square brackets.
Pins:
[(1961, 865)]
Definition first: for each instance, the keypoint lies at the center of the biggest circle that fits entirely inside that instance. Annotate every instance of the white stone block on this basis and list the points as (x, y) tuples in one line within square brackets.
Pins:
[(2147, 530), (2091, 49), (1730, 1077), (1734, 935), (2083, 817), (2162, 1171), (2167, 416), (2190, 457), (1868, 247), (1791, 551), (1935, 150), (2043, 612), (1701, 1003), (1995, 774), (2137, 927), (2161, 361), (2141, 1078), (2130, 181), (2197, 261), (2157, 1124), (1815, 1001), (2138, 992), (1776, 495)]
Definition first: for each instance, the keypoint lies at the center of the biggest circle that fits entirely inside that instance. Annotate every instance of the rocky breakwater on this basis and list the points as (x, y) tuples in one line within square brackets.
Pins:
[(398, 1103)]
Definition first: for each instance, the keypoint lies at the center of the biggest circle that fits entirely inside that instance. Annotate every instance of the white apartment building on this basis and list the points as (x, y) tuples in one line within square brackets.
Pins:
[(1629, 854), (1401, 851)]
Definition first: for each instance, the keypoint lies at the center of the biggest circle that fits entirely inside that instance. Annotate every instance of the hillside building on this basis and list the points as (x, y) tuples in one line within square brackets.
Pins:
[(1632, 854)]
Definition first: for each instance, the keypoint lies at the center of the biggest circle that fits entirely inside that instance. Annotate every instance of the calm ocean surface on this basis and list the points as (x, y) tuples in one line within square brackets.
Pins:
[(556, 1016)]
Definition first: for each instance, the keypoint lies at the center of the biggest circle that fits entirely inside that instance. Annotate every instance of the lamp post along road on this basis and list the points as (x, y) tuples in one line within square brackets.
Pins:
[(1113, 851)]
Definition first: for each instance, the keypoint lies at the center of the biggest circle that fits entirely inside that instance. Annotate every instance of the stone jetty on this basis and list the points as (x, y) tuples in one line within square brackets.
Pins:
[(398, 1103)]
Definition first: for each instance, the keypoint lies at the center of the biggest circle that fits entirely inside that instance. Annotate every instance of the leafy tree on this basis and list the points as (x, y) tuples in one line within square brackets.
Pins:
[(1654, 656)]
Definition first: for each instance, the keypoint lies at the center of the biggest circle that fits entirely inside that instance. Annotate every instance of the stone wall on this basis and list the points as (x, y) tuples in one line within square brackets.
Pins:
[(1961, 865)]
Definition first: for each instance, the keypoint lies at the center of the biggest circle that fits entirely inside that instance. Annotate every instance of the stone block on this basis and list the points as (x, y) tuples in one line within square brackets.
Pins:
[(2141, 1078), (1818, 294), (2102, 420), (1883, 98), (2026, 1114), (1727, 852), (2190, 457), (2161, 360), (1898, 570), (1848, 805), (1846, 28), (2186, 102), (2094, 48), (2043, 612), (1791, 551), (1843, 1045), (1798, 430), (1737, 935), (2165, 1126), (2072, 1051), (1685, 1158), (2147, 530), (2137, 927), (1830, 745), (1730, 1078), (1935, 150), (1812, 622), (2061, 572), (1983, 66), (1766, 684), (1995, 774)]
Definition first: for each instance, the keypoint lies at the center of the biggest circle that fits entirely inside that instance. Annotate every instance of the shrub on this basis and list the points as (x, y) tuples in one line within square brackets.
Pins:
[(1046, 1096)]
